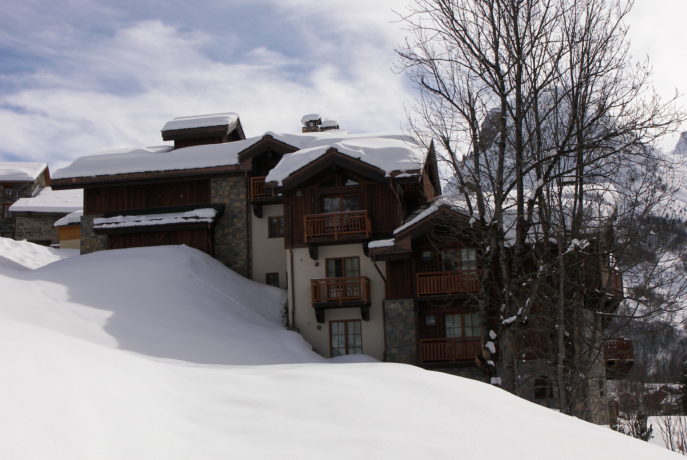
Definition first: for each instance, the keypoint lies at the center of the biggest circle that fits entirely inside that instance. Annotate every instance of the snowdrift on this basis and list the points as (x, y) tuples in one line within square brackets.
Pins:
[(164, 353)]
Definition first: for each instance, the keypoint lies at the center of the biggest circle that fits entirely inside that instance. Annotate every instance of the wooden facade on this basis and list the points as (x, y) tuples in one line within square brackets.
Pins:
[(108, 199)]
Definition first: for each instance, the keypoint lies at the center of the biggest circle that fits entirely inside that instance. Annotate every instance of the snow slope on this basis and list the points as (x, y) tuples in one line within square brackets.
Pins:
[(134, 354)]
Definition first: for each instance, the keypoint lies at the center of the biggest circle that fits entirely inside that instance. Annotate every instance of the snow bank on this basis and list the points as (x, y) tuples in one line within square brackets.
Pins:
[(134, 354), (14, 171), (49, 200), (22, 255)]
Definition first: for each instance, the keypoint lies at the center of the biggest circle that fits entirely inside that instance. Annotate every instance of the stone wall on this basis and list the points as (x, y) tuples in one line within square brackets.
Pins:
[(232, 229), (36, 227), (399, 325), (90, 242)]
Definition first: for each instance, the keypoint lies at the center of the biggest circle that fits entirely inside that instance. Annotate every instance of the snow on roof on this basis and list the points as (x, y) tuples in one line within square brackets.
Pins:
[(202, 121), (72, 218), (49, 200), (381, 243), (196, 215), (448, 201), (150, 159), (329, 124), (14, 171), (390, 152), (310, 117)]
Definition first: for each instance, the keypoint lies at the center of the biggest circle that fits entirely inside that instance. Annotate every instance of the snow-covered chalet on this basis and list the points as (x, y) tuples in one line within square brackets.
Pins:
[(340, 220)]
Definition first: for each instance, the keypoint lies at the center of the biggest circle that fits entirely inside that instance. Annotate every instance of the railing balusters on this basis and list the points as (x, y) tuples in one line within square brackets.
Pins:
[(337, 224)]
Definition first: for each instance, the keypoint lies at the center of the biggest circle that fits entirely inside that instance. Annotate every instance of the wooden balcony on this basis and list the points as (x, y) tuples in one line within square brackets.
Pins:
[(447, 282), (344, 292), (449, 350), (619, 357), (257, 188), (335, 226)]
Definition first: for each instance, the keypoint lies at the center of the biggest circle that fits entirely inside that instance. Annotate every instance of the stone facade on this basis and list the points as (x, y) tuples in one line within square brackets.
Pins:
[(401, 336), (90, 242), (232, 229), (36, 227)]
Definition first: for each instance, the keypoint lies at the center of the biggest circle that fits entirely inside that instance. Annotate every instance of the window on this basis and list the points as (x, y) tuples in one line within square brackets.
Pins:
[(459, 325), (343, 267), (340, 203), (346, 337), (272, 279), (275, 227), (6, 210), (458, 259), (430, 320)]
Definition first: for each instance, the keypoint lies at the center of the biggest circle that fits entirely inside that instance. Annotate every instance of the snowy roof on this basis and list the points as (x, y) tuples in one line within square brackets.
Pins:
[(381, 243), (13, 171), (149, 159), (146, 220), (329, 124), (451, 202), (390, 152), (70, 219), (310, 117), (202, 121), (49, 200)]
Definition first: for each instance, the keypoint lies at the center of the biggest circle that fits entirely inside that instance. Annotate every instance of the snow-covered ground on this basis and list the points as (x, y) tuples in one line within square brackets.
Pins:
[(163, 353)]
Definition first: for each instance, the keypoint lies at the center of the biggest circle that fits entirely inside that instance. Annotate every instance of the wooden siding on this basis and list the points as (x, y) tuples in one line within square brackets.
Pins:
[(69, 232), (106, 199), (196, 238), (400, 282)]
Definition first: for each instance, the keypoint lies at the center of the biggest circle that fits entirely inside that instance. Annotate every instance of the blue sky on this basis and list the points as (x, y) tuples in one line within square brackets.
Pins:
[(78, 76)]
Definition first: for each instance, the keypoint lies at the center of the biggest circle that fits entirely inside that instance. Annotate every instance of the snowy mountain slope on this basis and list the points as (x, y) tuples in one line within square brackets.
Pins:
[(81, 378)]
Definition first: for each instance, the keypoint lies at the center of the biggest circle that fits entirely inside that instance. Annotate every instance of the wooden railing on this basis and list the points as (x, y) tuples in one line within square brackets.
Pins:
[(336, 225), (257, 187), (618, 349), (340, 290), (447, 282), (449, 350)]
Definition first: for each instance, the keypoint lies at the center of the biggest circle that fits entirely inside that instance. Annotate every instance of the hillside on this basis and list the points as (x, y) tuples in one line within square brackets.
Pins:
[(164, 353)]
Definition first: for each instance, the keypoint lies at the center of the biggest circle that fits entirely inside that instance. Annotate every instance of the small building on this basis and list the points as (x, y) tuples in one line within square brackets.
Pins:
[(35, 216), (18, 180), (69, 230)]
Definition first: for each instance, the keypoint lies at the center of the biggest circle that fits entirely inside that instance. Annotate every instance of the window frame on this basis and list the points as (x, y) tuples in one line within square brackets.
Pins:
[(349, 349), (271, 227), (274, 275), (341, 262)]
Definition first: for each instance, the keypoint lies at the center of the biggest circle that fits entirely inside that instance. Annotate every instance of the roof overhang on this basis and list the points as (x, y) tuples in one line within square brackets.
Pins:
[(332, 158)]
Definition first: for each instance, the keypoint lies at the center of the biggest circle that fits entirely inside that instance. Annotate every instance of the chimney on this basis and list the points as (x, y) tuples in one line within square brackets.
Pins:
[(311, 123), (328, 125)]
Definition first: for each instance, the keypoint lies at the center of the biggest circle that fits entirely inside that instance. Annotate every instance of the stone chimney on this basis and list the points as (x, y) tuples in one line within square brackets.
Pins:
[(311, 123)]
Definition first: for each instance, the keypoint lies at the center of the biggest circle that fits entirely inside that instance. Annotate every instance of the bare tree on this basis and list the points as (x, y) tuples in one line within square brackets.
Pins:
[(546, 125)]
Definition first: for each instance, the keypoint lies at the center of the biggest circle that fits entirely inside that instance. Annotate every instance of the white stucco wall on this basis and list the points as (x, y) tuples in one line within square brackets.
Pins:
[(268, 254), (306, 269)]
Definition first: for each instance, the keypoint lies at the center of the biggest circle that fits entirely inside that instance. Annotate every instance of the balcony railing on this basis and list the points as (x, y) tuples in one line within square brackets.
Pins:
[(619, 349), (447, 282), (337, 225), (449, 350), (345, 290), (257, 188)]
